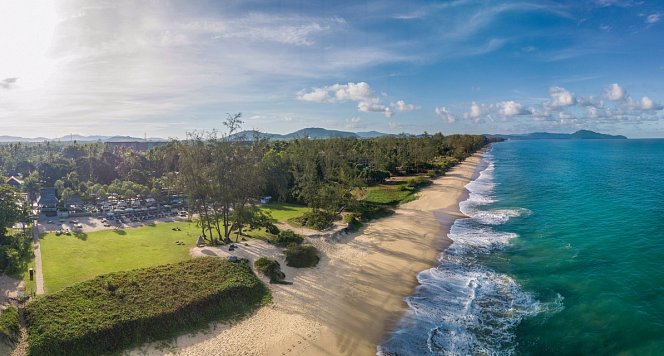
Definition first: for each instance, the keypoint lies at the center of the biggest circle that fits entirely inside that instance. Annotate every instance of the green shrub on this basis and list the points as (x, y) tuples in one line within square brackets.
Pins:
[(353, 221), (418, 181), (113, 311), (287, 237), (301, 256), (9, 326), (272, 229), (368, 211), (270, 268), (317, 219)]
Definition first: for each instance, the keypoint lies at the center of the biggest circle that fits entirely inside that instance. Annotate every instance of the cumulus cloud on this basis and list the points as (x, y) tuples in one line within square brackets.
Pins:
[(401, 105), (649, 104), (615, 92), (361, 92), (339, 93), (365, 106), (445, 114), (565, 109), (560, 97), (476, 111), (511, 108)]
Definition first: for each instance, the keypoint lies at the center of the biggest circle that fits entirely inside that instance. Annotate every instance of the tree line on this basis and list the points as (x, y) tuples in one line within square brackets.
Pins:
[(223, 173)]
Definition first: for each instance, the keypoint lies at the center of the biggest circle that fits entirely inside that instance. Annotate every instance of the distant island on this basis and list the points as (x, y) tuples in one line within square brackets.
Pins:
[(578, 135)]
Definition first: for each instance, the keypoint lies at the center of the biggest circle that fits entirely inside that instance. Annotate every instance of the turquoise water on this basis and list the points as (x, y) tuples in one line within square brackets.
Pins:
[(563, 254)]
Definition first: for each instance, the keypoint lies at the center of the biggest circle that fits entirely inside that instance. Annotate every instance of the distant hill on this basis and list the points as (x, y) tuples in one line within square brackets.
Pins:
[(579, 135), (311, 132), (21, 139), (80, 138)]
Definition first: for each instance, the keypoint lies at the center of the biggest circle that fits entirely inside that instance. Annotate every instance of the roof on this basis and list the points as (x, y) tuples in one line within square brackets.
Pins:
[(47, 197), (74, 200), (14, 180)]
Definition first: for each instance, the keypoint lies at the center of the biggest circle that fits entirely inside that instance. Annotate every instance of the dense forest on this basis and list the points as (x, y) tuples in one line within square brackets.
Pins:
[(223, 175)]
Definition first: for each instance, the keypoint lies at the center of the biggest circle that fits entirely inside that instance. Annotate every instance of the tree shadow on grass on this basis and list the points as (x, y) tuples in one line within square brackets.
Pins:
[(81, 235), (120, 232)]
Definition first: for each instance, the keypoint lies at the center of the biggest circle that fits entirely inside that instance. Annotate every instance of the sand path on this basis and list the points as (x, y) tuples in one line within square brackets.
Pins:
[(347, 304)]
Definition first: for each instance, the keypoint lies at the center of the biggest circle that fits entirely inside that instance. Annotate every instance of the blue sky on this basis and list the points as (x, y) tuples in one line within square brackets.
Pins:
[(163, 68)]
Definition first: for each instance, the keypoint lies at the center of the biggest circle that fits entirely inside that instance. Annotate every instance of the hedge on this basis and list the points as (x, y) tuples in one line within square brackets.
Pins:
[(111, 312)]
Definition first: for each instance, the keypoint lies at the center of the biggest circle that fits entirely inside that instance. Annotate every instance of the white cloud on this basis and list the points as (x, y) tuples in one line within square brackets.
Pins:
[(401, 105), (653, 18), (560, 97), (649, 104), (317, 95), (511, 108), (615, 92), (476, 111), (372, 107), (361, 92), (336, 93), (445, 114)]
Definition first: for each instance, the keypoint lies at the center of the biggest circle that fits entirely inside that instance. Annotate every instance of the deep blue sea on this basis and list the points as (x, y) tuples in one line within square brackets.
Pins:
[(563, 254)]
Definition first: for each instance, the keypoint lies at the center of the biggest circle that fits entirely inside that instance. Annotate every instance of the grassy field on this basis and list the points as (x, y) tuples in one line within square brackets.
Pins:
[(282, 211), (71, 259), (390, 194)]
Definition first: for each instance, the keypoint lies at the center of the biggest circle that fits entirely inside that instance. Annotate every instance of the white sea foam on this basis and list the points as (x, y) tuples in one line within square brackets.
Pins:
[(462, 307)]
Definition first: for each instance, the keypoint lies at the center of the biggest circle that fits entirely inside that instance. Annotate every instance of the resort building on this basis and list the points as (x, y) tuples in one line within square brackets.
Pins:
[(48, 201), (14, 182)]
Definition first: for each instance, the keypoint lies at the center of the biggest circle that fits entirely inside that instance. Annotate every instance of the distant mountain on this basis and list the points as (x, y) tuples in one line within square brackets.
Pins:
[(79, 138), (311, 132), (372, 134), (579, 135), (317, 132), (21, 139)]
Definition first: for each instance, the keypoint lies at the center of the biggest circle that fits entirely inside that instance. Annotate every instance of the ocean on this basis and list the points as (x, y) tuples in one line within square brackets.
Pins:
[(562, 254)]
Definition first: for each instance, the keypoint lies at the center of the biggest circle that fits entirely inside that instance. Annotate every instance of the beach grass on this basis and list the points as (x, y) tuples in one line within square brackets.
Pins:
[(110, 312), (68, 260)]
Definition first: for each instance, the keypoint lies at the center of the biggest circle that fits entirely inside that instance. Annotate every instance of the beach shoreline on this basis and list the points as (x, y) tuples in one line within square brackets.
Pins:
[(349, 303)]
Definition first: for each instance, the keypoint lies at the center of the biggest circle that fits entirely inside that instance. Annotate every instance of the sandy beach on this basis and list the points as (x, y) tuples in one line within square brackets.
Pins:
[(348, 303)]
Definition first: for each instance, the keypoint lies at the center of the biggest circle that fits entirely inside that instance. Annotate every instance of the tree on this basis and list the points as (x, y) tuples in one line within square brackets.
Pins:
[(10, 209), (32, 184), (13, 249)]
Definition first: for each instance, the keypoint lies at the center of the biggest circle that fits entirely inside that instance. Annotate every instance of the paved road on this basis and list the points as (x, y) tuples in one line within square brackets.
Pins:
[(39, 276)]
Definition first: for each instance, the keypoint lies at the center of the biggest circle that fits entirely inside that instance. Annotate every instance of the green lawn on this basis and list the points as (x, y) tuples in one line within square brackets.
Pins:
[(390, 194), (283, 211), (71, 259)]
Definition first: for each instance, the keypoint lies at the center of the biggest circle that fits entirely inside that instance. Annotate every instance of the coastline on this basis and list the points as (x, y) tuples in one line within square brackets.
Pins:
[(354, 297)]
